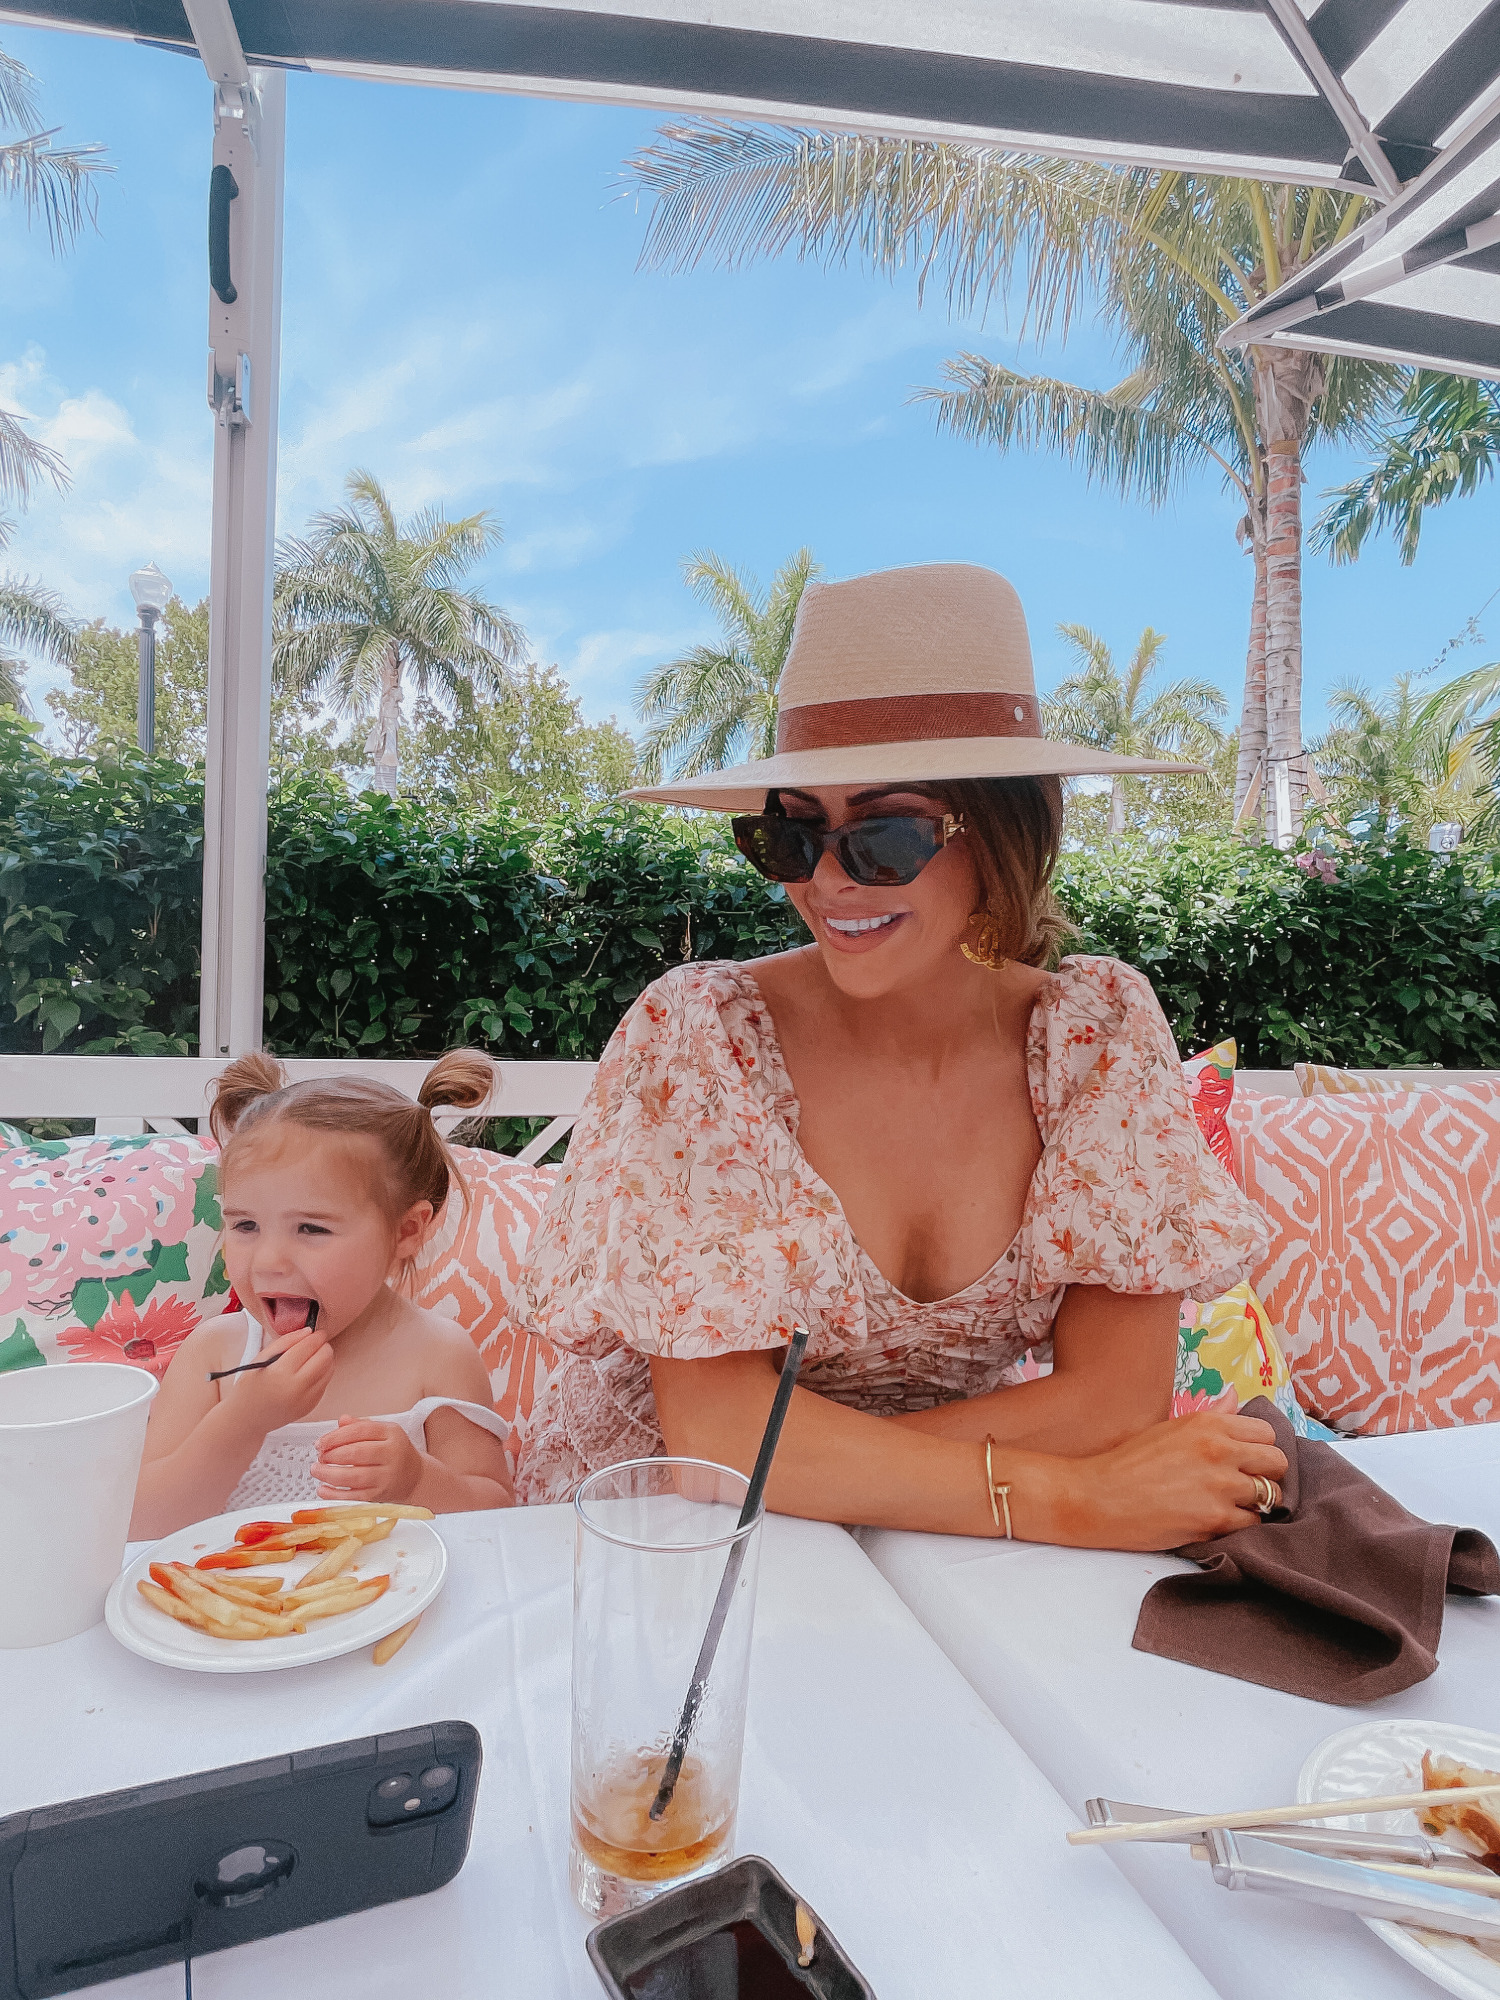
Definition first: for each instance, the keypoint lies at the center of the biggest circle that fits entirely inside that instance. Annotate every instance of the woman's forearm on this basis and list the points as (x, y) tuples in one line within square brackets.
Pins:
[(195, 1480), (1059, 1414), (835, 1464)]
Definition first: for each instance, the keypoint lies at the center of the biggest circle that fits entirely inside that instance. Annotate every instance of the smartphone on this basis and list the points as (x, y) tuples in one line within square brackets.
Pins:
[(96, 1888)]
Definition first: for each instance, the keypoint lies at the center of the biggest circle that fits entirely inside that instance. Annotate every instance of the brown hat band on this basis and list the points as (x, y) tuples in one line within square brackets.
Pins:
[(904, 718)]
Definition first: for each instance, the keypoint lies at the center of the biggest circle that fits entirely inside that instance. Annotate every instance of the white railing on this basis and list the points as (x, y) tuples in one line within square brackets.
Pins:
[(131, 1093)]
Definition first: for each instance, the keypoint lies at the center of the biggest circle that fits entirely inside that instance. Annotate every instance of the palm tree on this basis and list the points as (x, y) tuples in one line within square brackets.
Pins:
[(1108, 710), (716, 705), (33, 619), (1443, 440), (1171, 260), (1419, 761), (56, 185), (364, 601)]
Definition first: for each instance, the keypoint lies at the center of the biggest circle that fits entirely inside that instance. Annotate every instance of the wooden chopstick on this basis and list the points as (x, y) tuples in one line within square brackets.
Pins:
[(1151, 1829), (1446, 1878)]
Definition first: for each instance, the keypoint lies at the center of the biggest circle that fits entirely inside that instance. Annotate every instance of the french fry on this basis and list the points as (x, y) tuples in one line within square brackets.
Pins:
[(397, 1510), (175, 1607), (351, 1600), (182, 1584), (376, 1534), (259, 1531), (236, 1592), (388, 1647), (338, 1558), (305, 1593), (243, 1558), (258, 1586)]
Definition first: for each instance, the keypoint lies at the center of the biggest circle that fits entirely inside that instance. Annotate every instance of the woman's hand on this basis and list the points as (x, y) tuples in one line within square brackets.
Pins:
[(363, 1460), (266, 1398), (1188, 1480)]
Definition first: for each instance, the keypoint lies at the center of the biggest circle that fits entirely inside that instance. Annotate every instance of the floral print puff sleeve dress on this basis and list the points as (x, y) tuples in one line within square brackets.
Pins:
[(687, 1223)]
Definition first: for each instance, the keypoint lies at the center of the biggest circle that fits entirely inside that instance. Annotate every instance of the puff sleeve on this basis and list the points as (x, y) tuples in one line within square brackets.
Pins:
[(685, 1223), (1127, 1194)]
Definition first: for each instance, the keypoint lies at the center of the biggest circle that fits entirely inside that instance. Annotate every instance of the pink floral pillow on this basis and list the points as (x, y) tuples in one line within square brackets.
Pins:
[(108, 1250)]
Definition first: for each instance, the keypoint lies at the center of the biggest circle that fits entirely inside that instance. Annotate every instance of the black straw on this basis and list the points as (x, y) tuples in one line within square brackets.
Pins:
[(219, 1374), (753, 1499)]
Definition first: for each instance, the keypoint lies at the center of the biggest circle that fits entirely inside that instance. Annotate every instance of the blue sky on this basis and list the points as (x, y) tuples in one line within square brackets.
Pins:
[(463, 315)]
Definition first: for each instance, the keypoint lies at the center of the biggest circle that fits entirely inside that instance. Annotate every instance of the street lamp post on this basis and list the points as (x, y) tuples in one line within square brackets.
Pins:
[(152, 593)]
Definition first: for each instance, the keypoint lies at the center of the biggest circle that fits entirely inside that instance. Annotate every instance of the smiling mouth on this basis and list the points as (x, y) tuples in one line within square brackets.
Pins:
[(861, 926)]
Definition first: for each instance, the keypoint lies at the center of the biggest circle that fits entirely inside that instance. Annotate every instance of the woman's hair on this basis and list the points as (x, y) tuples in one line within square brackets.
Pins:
[(1014, 831), (253, 1097)]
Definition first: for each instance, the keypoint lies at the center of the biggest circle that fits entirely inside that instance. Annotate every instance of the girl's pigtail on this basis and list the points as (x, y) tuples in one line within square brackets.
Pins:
[(241, 1084), (463, 1078)]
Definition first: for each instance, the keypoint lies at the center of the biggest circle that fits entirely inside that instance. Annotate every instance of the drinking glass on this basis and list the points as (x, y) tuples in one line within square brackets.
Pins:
[(652, 1541)]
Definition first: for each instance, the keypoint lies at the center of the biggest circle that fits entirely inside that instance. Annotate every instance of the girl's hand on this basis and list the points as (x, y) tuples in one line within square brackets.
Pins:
[(1188, 1480), (362, 1460), (289, 1390)]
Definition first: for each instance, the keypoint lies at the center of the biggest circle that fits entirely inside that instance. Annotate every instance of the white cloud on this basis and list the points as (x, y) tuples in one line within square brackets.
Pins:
[(136, 492)]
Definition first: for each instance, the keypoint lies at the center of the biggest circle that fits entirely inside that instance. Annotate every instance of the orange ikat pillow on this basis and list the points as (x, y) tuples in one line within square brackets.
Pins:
[(469, 1266), (1384, 1269)]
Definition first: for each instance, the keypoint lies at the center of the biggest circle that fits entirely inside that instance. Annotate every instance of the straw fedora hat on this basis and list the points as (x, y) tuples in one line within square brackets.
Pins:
[(914, 674)]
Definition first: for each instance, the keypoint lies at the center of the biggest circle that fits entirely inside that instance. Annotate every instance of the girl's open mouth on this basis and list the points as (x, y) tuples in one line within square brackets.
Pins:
[(287, 1315)]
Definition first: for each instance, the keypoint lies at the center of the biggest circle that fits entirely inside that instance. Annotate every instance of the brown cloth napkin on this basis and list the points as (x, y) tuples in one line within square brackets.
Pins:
[(1338, 1595)]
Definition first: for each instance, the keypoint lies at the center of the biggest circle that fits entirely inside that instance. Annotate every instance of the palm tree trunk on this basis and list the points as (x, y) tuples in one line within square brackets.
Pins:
[(1284, 641), (1287, 385), (1253, 706), (1116, 806), (388, 722)]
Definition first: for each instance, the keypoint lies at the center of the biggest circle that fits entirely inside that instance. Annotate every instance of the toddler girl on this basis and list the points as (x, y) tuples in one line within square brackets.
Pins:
[(329, 1189)]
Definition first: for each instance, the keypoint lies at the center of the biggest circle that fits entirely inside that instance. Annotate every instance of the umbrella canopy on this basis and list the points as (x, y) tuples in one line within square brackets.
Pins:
[(1349, 93), (1419, 283)]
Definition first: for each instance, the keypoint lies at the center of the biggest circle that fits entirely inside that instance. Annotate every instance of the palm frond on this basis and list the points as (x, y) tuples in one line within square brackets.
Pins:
[(1444, 440), (56, 184), (24, 461), (35, 619), (1114, 440)]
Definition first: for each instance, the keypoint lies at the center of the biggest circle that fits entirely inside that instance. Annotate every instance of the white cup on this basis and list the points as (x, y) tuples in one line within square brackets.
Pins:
[(71, 1438)]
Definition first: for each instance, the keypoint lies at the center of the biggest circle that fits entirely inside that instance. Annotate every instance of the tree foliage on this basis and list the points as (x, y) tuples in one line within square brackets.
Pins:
[(1122, 713), (365, 604), (397, 927), (716, 705), (95, 715), (1443, 440), (531, 746)]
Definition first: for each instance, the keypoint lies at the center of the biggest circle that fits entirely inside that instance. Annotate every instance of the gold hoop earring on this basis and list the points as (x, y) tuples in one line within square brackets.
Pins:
[(985, 949)]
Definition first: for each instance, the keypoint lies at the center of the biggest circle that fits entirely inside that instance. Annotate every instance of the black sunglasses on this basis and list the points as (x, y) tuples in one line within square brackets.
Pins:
[(876, 853)]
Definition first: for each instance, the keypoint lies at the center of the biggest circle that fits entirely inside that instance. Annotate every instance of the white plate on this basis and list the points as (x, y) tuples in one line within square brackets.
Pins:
[(413, 1555), (1375, 1757)]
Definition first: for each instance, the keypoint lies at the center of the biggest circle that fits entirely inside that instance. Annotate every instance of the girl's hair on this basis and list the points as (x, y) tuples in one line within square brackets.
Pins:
[(253, 1096), (1014, 829)]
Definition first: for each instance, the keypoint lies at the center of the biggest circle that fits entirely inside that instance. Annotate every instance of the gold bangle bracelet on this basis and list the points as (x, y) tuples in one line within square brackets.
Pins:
[(999, 1495)]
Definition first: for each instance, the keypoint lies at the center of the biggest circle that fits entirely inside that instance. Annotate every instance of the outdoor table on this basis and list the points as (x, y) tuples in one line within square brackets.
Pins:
[(875, 1779), (1044, 1635)]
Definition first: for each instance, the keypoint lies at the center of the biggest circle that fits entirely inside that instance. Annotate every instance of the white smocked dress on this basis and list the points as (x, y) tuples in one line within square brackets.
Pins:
[(281, 1474)]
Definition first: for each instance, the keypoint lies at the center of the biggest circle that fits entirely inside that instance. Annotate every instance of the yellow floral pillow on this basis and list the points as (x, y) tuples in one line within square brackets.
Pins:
[(1228, 1353)]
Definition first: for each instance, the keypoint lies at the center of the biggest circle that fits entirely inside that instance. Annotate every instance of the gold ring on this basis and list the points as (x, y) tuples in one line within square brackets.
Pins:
[(1267, 1494)]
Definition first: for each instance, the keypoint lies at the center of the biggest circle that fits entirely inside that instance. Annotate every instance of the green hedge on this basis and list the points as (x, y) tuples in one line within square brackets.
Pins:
[(400, 928)]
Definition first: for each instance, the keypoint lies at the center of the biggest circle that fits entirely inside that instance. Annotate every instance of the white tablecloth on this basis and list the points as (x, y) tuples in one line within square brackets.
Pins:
[(875, 1779), (1044, 1635)]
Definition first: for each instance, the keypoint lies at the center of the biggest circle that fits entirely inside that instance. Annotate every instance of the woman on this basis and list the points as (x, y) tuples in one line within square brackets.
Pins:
[(907, 1136)]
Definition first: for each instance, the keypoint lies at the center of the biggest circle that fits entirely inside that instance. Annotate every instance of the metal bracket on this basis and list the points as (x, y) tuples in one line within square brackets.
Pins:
[(229, 395)]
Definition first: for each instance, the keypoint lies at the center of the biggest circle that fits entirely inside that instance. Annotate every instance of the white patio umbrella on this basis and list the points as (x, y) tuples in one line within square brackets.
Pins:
[(1418, 283), (1358, 94)]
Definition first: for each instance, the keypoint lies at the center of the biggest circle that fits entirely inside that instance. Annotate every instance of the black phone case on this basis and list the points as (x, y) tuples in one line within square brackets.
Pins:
[(99, 1887)]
